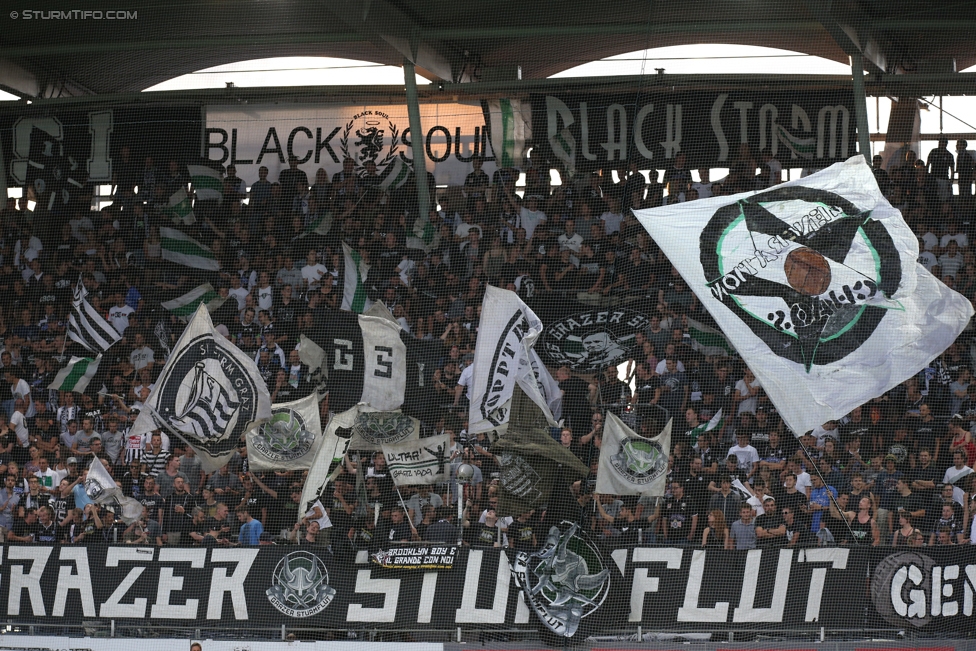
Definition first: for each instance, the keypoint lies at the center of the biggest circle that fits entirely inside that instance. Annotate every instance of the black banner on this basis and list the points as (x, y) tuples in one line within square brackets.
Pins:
[(55, 152), (802, 128), (663, 587)]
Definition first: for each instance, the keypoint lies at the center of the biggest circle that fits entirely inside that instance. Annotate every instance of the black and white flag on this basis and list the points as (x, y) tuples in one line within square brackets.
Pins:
[(104, 491), (86, 326), (364, 358), (424, 461), (504, 358), (209, 394)]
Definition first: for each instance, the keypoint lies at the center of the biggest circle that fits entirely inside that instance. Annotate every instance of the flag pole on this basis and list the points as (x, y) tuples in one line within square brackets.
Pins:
[(830, 495)]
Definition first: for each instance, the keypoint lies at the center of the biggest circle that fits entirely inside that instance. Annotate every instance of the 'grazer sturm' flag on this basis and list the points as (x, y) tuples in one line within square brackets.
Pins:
[(327, 463), (86, 326), (815, 282), (530, 460), (209, 394), (289, 440), (631, 464), (504, 358), (76, 375), (179, 208), (184, 306), (509, 129)]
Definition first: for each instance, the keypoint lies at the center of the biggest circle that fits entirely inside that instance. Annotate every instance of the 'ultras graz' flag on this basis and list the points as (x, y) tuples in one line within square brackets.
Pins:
[(631, 464), (424, 461), (209, 394), (815, 282), (289, 440), (504, 358)]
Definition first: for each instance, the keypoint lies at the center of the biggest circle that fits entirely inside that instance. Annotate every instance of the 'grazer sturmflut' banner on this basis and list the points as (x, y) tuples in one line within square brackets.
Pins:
[(664, 587), (812, 128), (322, 136)]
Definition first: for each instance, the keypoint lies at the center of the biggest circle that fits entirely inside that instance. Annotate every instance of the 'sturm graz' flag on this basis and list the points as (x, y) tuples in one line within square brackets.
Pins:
[(815, 282), (209, 394)]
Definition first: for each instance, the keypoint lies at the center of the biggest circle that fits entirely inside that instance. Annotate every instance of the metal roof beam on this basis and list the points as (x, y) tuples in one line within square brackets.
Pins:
[(388, 27)]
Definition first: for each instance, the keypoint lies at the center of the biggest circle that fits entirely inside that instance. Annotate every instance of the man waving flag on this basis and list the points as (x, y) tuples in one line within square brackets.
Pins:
[(815, 282)]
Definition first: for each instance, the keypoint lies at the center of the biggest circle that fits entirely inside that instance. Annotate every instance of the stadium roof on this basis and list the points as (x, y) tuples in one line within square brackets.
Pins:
[(49, 55)]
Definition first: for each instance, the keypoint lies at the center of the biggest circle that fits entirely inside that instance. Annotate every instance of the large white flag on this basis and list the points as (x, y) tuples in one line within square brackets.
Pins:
[(290, 439), (327, 463), (815, 282), (209, 393), (503, 358), (104, 491), (424, 461), (631, 464)]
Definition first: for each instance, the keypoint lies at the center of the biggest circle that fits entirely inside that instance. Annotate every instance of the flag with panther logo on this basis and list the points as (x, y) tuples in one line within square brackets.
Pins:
[(815, 283)]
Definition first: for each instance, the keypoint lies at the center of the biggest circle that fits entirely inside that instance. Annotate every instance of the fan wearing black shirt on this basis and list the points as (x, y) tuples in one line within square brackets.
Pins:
[(770, 528), (46, 529), (398, 529)]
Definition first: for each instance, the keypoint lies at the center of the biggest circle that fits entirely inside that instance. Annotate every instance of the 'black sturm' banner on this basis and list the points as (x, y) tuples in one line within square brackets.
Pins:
[(589, 131), (670, 588)]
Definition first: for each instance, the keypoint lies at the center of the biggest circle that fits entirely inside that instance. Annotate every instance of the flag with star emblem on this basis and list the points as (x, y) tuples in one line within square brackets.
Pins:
[(815, 282)]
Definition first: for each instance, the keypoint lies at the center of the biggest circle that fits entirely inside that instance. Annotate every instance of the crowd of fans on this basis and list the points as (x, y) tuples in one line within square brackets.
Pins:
[(894, 472)]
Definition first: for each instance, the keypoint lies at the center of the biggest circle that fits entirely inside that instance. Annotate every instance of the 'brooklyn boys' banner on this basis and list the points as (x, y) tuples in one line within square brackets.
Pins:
[(812, 128), (664, 587)]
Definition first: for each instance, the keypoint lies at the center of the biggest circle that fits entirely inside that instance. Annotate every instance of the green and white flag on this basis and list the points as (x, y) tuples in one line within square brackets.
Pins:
[(180, 248), (801, 147), (76, 375), (631, 464), (816, 283), (424, 461), (508, 131), (356, 270), (321, 226), (708, 341), (180, 209), (208, 183), (289, 440), (694, 434), (395, 175), (425, 235), (185, 305)]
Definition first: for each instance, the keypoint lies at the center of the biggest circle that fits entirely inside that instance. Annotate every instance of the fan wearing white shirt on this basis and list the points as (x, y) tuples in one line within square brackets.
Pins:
[(264, 292), (20, 390), (530, 216), (313, 271), (119, 313)]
